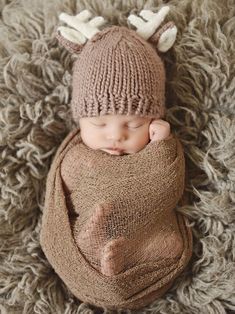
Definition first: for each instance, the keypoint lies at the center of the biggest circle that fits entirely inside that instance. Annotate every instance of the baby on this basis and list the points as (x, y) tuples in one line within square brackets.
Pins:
[(117, 135), (109, 227)]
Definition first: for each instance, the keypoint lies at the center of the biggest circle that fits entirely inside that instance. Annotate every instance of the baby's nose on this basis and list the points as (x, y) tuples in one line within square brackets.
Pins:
[(116, 135)]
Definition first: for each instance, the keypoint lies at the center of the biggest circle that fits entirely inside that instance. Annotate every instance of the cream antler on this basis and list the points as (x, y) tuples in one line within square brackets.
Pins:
[(82, 29), (149, 23)]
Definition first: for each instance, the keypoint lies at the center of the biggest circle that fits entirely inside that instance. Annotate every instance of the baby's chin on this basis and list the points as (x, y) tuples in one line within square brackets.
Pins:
[(122, 152), (115, 152)]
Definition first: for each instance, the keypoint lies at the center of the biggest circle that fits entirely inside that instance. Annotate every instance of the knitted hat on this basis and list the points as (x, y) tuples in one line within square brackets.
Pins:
[(117, 72)]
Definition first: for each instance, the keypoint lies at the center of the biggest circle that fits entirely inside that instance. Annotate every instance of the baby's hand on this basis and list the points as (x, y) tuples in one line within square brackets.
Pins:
[(159, 130)]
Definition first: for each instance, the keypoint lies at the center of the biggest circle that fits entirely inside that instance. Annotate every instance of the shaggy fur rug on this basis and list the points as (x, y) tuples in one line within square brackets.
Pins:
[(35, 117)]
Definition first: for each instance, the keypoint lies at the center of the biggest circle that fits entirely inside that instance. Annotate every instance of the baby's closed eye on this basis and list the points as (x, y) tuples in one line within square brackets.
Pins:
[(134, 125)]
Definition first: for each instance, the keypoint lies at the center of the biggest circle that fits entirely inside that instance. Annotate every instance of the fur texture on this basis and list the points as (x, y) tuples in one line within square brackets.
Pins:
[(35, 116)]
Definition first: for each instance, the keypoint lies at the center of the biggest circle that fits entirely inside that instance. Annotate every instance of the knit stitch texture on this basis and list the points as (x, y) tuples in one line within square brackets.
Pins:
[(118, 72)]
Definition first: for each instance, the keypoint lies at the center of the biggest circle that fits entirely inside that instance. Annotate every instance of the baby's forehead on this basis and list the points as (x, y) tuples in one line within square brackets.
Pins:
[(118, 117)]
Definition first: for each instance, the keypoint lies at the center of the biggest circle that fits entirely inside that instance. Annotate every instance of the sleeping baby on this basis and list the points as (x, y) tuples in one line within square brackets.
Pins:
[(109, 228), (115, 135)]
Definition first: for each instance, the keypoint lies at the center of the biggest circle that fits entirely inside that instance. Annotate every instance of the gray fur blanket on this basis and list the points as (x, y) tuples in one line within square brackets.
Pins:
[(35, 116)]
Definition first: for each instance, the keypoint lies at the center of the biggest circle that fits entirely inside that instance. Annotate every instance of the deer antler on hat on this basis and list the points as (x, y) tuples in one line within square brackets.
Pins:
[(164, 37), (82, 29)]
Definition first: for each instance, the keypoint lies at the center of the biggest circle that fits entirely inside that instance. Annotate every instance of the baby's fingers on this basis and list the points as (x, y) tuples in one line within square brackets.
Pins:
[(159, 130)]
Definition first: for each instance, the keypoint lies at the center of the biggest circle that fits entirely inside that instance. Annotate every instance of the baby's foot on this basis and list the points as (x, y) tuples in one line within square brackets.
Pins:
[(112, 258), (97, 246), (92, 238), (94, 226)]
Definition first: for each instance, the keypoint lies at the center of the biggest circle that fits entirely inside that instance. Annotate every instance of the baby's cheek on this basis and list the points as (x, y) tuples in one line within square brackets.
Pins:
[(90, 140), (139, 140)]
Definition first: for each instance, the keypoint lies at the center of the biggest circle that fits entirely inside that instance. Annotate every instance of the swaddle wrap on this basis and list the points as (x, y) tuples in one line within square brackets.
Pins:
[(93, 199)]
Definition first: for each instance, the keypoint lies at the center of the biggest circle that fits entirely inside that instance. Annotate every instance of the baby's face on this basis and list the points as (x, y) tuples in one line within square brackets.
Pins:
[(116, 134)]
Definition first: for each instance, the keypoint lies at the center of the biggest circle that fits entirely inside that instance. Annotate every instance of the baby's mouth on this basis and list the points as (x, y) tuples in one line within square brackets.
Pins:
[(115, 151)]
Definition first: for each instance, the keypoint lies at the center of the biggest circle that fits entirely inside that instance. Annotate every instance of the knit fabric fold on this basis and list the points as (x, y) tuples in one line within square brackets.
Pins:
[(116, 213)]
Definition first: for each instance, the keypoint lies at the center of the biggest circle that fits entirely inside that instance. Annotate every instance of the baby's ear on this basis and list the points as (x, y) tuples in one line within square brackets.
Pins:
[(148, 24), (80, 29)]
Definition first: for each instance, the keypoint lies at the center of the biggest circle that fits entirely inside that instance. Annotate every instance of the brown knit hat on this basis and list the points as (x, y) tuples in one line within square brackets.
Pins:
[(117, 72)]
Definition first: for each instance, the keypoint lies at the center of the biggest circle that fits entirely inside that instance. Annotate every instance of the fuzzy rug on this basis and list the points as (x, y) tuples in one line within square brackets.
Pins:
[(35, 95)]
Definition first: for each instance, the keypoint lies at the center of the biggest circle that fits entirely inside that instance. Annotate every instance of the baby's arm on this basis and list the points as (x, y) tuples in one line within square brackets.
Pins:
[(159, 130)]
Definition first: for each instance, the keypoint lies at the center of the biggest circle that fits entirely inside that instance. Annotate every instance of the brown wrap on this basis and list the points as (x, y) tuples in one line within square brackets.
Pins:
[(140, 192)]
